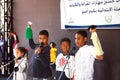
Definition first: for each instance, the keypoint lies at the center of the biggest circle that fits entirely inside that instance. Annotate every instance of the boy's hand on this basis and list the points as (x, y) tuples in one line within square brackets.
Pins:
[(38, 50), (100, 57), (29, 24)]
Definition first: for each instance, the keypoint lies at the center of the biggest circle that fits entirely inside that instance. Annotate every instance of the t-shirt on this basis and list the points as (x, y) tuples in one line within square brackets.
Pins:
[(60, 63), (84, 60)]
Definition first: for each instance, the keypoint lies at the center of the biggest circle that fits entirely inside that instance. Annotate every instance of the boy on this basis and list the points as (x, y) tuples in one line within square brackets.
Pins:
[(65, 45), (84, 58), (39, 66)]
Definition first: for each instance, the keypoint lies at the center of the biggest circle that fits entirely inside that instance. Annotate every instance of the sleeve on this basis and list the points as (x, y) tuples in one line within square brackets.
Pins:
[(32, 44), (22, 66), (97, 44), (55, 49)]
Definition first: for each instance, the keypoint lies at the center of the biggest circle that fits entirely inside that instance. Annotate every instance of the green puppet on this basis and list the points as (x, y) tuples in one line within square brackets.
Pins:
[(29, 33)]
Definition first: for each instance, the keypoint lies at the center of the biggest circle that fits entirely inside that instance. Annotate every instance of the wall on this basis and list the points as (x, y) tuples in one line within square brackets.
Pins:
[(45, 14)]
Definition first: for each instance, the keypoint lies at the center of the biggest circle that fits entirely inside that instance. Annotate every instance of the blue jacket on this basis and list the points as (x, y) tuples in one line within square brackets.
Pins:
[(39, 64)]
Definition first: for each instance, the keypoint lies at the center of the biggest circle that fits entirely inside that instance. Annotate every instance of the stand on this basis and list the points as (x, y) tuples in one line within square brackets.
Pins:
[(6, 64), (10, 75)]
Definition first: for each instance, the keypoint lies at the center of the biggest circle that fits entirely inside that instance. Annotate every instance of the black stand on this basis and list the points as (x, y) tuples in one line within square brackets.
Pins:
[(10, 75), (15, 70)]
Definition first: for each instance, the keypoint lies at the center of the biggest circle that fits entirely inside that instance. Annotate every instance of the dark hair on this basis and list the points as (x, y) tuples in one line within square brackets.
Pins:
[(53, 44), (91, 27), (23, 50), (44, 32), (66, 40), (82, 32)]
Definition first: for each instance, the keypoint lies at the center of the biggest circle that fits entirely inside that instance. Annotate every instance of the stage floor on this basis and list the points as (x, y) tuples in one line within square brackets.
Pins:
[(4, 78)]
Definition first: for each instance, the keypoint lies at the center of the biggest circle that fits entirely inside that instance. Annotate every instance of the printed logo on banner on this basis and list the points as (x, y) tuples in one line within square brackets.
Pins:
[(108, 18)]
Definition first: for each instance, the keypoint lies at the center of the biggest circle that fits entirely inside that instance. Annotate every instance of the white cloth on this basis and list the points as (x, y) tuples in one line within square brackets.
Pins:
[(21, 73), (15, 45), (84, 60), (97, 44), (61, 60)]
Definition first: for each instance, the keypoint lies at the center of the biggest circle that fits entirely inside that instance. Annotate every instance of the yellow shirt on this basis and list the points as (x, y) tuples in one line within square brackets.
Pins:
[(53, 54)]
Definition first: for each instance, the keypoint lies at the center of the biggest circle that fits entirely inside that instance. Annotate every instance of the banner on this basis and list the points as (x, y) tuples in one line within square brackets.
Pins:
[(77, 14)]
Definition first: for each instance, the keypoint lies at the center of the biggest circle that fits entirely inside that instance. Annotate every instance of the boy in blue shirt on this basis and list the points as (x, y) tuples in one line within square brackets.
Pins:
[(39, 68)]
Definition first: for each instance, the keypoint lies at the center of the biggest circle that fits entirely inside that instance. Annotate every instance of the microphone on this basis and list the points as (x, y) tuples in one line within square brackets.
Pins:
[(41, 45), (37, 55), (16, 68), (13, 60), (9, 63), (18, 58), (72, 51)]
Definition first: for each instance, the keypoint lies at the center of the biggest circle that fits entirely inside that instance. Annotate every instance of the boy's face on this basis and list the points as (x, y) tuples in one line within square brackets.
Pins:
[(65, 47), (43, 39), (80, 40)]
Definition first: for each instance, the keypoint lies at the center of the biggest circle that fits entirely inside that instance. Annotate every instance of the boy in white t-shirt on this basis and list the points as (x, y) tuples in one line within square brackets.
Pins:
[(84, 58), (61, 60)]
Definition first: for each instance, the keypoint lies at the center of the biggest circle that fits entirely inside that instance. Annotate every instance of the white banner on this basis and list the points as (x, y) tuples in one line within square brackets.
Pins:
[(83, 13)]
